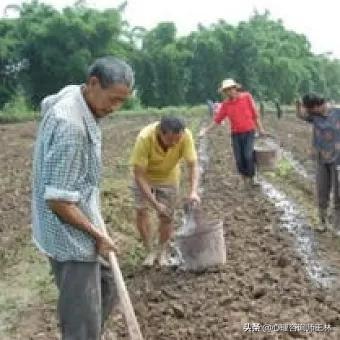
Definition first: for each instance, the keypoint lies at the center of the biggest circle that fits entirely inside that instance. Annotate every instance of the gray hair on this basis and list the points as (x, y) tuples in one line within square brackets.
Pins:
[(171, 124), (110, 70)]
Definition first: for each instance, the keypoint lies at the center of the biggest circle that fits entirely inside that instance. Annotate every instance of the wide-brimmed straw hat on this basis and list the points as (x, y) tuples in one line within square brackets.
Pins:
[(228, 83)]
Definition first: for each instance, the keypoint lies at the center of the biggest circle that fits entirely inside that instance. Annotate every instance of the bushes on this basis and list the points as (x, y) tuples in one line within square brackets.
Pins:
[(133, 103), (180, 111), (17, 110)]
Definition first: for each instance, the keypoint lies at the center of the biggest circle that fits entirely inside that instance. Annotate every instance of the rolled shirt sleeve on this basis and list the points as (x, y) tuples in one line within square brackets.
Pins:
[(63, 164)]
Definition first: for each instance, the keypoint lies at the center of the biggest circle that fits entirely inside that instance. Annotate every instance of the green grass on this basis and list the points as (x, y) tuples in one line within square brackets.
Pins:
[(187, 113), (17, 110), (284, 168), (287, 180), (24, 284), (6, 118)]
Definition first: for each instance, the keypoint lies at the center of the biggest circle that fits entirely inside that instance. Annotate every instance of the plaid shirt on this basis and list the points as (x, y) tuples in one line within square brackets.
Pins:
[(326, 135), (66, 166)]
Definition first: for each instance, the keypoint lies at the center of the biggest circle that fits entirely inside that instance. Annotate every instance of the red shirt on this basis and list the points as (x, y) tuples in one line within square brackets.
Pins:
[(240, 111)]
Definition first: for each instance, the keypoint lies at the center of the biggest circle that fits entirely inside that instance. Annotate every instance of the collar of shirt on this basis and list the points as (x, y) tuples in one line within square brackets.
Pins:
[(156, 141), (89, 119)]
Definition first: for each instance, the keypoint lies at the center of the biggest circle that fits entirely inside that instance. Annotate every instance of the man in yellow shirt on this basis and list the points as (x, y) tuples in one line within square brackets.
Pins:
[(155, 159)]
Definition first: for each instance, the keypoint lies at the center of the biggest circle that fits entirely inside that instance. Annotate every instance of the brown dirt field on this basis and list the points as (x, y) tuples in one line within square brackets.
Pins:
[(264, 280), (295, 136)]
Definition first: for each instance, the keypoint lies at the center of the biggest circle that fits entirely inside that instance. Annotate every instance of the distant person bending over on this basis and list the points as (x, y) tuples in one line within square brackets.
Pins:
[(326, 144), (240, 109), (155, 159)]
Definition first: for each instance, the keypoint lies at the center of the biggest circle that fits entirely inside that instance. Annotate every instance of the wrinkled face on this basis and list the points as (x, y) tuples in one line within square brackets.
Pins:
[(231, 92), (170, 139), (103, 101)]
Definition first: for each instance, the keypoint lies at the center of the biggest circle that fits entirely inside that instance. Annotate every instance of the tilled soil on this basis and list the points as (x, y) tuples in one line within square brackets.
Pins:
[(294, 135), (15, 189), (263, 281)]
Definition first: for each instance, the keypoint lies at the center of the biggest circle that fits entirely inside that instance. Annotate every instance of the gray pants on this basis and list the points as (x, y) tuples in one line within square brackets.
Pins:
[(326, 180), (87, 295)]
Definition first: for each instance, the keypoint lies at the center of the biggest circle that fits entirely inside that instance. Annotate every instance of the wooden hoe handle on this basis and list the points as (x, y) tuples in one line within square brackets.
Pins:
[(127, 309)]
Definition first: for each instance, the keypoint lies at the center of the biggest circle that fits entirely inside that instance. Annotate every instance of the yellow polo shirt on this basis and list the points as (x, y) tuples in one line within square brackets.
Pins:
[(162, 167)]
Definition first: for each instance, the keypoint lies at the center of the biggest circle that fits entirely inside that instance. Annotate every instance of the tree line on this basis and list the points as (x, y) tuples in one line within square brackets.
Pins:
[(42, 49)]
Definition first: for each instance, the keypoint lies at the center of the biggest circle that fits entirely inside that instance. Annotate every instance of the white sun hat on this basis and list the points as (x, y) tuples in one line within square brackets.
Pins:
[(228, 83)]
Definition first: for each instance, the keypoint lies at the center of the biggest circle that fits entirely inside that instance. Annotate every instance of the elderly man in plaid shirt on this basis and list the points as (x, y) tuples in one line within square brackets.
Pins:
[(67, 223)]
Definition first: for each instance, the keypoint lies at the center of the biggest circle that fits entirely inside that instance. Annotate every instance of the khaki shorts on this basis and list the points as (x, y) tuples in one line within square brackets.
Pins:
[(165, 194)]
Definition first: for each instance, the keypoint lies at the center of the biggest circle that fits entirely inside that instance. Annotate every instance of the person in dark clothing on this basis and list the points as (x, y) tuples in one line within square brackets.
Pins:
[(278, 109), (326, 143)]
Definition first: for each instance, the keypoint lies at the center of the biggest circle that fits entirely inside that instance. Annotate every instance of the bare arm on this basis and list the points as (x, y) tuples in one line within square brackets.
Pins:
[(206, 129), (193, 179), (256, 116), (259, 126), (141, 181), (71, 214)]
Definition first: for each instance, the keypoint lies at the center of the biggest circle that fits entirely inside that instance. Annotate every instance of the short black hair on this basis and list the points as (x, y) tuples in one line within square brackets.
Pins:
[(311, 100), (171, 124), (110, 70)]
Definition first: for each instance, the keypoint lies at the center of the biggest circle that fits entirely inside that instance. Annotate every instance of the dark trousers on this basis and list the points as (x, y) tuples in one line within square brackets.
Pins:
[(327, 180), (87, 295), (243, 147)]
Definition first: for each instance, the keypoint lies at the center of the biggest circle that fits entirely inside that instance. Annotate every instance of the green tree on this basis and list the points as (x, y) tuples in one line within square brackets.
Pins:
[(59, 46), (10, 63), (43, 49)]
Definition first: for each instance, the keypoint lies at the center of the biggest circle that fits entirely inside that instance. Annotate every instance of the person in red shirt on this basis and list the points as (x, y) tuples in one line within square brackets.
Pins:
[(239, 107)]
